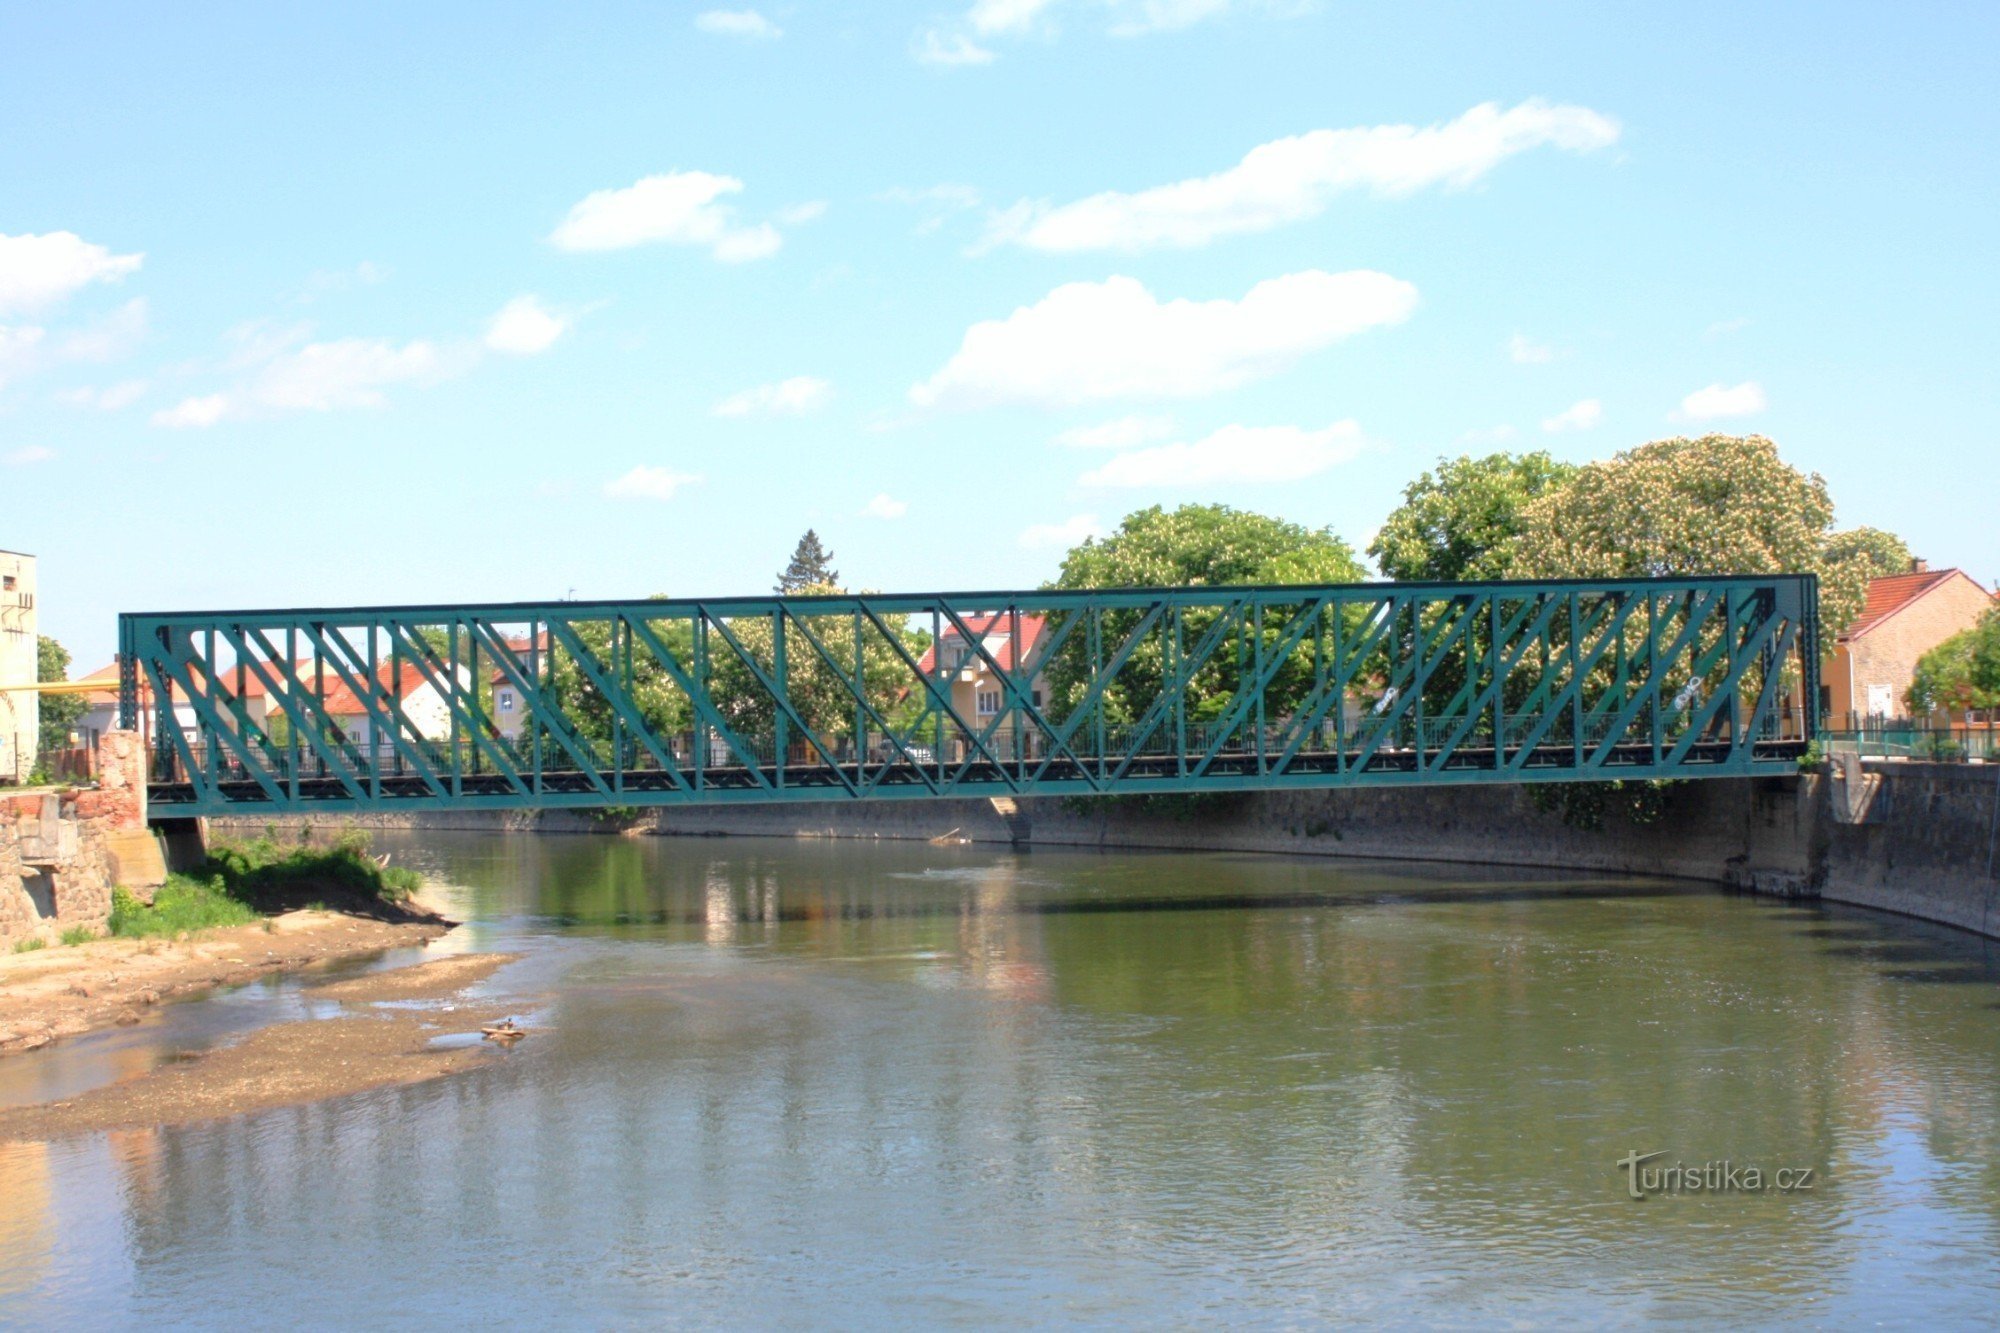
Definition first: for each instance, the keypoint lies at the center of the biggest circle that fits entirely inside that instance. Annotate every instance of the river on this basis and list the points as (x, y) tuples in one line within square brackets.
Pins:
[(848, 1084)]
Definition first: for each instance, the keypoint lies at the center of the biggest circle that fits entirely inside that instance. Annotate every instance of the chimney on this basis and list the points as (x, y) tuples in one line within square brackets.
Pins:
[(1918, 566)]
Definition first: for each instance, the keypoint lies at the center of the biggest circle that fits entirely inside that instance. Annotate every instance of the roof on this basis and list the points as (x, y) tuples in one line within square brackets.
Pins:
[(1887, 596), (337, 698), (995, 630)]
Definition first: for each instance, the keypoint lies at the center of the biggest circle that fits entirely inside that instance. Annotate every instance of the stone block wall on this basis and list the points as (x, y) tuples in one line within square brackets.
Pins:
[(57, 869)]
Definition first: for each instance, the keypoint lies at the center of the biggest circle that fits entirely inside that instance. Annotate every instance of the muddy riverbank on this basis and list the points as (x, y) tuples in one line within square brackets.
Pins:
[(292, 1063), (62, 992)]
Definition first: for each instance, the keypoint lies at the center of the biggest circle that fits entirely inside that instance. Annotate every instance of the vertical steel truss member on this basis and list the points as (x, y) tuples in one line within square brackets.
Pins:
[(1124, 691)]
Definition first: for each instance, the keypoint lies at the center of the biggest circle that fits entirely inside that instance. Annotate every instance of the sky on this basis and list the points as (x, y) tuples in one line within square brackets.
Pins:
[(451, 302)]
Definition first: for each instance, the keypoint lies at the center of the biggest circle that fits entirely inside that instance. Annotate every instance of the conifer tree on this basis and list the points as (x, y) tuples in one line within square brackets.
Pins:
[(812, 565)]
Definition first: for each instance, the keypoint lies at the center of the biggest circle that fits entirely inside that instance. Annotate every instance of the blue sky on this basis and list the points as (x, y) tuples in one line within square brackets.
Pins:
[(496, 302)]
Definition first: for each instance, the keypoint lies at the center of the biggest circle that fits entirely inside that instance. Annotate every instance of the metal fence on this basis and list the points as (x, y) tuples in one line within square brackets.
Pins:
[(1944, 739)]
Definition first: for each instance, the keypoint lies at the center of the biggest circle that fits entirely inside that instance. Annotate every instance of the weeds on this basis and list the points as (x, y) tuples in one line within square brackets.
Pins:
[(76, 935), (29, 945)]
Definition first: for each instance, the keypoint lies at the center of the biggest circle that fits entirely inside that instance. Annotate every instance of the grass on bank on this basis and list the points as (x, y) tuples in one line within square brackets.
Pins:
[(241, 881)]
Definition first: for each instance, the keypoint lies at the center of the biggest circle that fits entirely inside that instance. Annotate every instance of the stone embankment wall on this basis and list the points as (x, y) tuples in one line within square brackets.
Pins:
[(63, 851), (1923, 843)]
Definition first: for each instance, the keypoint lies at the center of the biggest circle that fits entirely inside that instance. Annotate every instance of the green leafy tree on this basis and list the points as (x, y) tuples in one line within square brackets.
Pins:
[(59, 711), (819, 681), (1193, 546), (1962, 672), (1885, 552), (811, 567), (1461, 520), (1720, 504), (661, 704)]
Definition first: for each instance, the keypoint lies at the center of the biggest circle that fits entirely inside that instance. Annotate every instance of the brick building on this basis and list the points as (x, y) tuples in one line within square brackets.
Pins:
[(1905, 616)]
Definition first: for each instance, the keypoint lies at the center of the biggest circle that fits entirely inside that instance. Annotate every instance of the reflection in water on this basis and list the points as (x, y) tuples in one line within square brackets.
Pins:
[(809, 1081)]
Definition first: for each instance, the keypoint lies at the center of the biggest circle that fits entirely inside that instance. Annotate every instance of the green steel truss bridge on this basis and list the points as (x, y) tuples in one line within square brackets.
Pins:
[(911, 696)]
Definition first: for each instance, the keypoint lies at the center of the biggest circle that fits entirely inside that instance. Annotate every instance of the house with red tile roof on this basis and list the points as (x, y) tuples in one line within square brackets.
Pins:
[(1011, 643), (420, 700), (1906, 615)]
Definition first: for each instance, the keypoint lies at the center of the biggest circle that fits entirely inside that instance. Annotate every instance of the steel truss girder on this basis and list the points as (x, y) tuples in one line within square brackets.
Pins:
[(1142, 690)]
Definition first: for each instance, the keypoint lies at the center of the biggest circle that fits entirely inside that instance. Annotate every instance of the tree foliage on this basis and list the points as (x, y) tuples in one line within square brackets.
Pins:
[(1885, 552), (59, 711), (1720, 504), (1461, 520), (1193, 546), (811, 566), (818, 679)]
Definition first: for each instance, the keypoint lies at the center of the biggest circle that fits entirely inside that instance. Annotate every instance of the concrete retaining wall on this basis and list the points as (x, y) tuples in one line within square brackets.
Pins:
[(1928, 851)]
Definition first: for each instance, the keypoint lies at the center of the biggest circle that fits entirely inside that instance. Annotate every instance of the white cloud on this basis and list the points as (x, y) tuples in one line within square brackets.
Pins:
[(1136, 17), (193, 412), (1524, 351), (28, 349), (30, 454), (737, 23), (649, 483), (883, 506), (523, 328), (796, 215), (1121, 433), (1726, 326), (1123, 18), (1065, 534), (991, 17), (793, 397), (936, 203), (1290, 180), (326, 281), (1578, 416), (1719, 401), (20, 350), (114, 398), (1234, 453), (40, 271), (676, 208), (1090, 341), (321, 377), (1488, 435), (345, 373), (109, 338), (950, 50)]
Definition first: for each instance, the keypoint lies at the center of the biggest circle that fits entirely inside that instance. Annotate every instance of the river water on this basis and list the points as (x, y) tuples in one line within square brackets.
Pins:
[(848, 1084)]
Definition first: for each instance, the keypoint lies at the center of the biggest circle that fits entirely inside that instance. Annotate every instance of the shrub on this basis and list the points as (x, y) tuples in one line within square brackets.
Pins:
[(78, 935), (182, 904), (264, 867), (29, 945)]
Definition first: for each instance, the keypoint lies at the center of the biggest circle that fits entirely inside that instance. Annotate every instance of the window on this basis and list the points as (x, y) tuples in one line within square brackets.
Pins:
[(989, 702), (1035, 698), (505, 698), (10, 583)]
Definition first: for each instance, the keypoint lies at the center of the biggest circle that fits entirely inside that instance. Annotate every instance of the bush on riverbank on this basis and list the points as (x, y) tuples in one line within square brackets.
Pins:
[(263, 870), (241, 881), (183, 903)]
